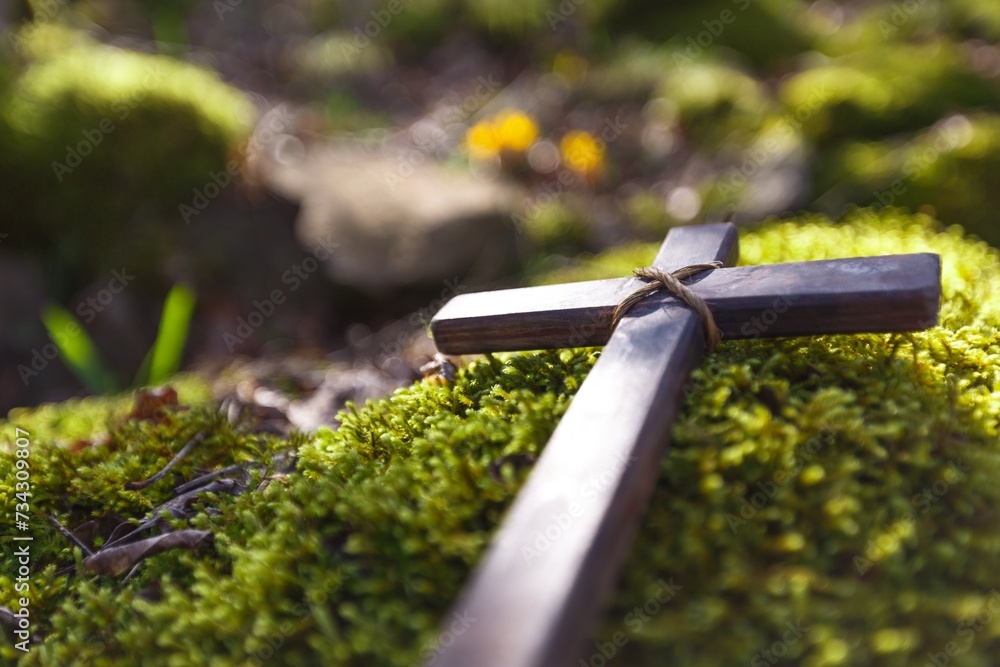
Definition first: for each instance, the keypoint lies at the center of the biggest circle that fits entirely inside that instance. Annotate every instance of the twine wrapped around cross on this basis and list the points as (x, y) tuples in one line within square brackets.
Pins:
[(672, 282)]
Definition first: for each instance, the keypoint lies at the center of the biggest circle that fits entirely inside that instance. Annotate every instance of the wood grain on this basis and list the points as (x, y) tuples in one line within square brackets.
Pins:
[(870, 294), (538, 589)]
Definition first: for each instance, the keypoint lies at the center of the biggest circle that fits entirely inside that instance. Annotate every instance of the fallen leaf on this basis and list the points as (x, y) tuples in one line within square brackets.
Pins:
[(101, 440), (150, 404), (439, 370), (101, 527), (80, 445), (116, 560), (86, 532), (179, 507), (120, 531)]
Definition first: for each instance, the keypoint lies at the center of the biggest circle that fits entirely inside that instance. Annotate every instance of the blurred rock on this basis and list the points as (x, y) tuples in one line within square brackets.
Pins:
[(397, 222)]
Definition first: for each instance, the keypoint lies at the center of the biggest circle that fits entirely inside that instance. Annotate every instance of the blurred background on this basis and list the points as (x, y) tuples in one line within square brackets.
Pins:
[(271, 185)]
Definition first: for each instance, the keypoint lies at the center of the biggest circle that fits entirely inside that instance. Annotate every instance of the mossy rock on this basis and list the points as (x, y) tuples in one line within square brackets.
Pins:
[(714, 103), (845, 485), (953, 167), (838, 33), (981, 17), (557, 225), (885, 89), (765, 32), (98, 142)]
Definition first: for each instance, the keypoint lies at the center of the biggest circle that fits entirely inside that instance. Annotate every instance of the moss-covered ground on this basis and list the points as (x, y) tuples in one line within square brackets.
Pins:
[(826, 501)]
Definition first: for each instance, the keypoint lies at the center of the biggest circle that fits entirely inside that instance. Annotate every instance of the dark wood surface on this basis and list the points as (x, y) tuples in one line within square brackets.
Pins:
[(891, 293), (534, 603)]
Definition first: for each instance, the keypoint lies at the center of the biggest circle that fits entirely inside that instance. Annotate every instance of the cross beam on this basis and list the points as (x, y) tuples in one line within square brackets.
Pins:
[(534, 600), (768, 301)]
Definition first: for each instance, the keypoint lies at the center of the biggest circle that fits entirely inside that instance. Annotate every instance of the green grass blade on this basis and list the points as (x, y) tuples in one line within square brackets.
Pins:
[(142, 375), (170, 339), (77, 350)]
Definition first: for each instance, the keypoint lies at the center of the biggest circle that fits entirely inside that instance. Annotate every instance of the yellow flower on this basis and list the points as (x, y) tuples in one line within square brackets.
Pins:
[(483, 140), (582, 152), (517, 130), (510, 130)]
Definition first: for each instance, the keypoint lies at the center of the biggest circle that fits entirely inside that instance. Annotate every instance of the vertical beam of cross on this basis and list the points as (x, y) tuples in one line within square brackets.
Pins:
[(535, 602)]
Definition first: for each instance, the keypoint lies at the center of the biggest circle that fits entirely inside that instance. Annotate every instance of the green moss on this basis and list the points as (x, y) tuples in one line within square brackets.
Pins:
[(324, 59), (616, 262), (83, 418), (97, 142), (356, 554), (634, 69), (872, 27), (648, 213), (556, 226), (980, 16), (714, 103), (886, 88), (953, 167), (765, 32)]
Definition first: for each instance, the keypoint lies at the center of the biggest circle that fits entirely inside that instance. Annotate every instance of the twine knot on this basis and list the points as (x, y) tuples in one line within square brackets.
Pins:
[(672, 282)]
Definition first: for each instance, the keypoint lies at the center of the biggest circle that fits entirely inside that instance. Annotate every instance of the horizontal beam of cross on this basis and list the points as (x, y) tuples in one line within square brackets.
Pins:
[(885, 294)]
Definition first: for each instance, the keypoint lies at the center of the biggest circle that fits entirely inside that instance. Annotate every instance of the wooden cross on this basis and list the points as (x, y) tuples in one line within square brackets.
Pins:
[(538, 589)]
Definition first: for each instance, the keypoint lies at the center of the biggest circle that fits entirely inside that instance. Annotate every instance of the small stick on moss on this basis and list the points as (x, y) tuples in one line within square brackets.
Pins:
[(156, 514), (199, 482), (185, 450), (131, 573), (70, 536)]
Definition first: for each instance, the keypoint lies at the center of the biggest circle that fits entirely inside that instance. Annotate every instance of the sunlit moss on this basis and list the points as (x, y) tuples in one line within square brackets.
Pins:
[(353, 557), (764, 32), (715, 103), (556, 226), (886, 88), (953, 167), (648, 213)]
